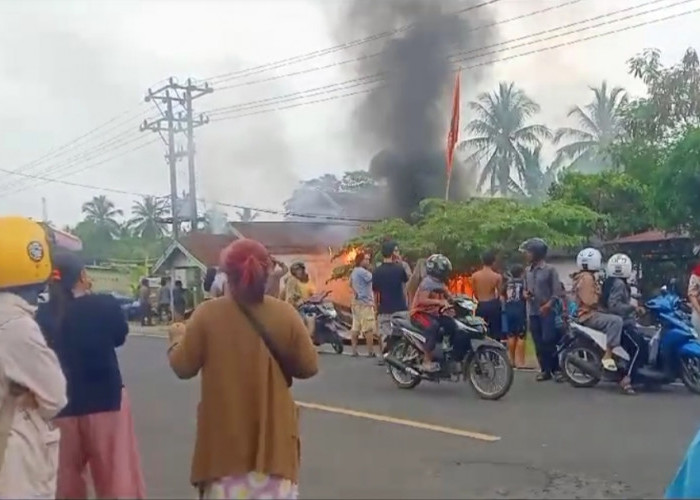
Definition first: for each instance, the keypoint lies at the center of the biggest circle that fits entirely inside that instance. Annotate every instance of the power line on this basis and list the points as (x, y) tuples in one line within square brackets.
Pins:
[(55, 152), (479, 49), (321, 52), (44, 180), (282, 99), (224, 204), (243, 106)]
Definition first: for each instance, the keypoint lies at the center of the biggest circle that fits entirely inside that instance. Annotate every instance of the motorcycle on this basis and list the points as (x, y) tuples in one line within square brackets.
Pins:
[(674, 349), (325, 318), (483, 360)]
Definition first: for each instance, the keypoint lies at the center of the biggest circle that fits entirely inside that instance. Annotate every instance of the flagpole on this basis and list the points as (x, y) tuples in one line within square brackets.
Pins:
[(453, 133)]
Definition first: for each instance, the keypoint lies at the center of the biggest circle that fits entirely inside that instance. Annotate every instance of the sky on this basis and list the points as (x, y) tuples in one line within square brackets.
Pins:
[(69, 66)]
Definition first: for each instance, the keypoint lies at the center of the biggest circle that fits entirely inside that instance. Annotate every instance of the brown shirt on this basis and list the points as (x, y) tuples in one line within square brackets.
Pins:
[(246, 419), (586, 294), (487, 284)]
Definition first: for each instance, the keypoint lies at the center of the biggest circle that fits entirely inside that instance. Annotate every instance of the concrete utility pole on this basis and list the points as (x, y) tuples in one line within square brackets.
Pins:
[(170, 94)]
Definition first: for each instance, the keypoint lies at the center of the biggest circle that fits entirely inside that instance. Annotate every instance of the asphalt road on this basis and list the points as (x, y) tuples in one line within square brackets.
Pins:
[(542, 440)]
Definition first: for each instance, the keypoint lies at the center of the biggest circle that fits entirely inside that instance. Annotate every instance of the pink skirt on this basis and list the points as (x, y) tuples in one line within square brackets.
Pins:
[(251, 486), (107, 443)]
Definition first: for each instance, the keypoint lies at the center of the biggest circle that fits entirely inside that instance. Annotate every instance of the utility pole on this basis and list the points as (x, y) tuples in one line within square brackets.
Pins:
[(193, 92), (169, 95)]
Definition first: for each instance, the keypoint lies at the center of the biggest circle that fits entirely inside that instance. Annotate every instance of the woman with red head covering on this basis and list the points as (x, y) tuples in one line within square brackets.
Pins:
[(248, 347)]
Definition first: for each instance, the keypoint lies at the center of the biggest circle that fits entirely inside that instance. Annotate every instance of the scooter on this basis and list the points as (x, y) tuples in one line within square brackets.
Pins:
[(674, 349), (325, 317)]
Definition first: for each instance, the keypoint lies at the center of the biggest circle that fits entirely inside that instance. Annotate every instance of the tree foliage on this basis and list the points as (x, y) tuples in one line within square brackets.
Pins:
[(619, 197), (501, 130), (463, 231), (672, 104), (600, 124)]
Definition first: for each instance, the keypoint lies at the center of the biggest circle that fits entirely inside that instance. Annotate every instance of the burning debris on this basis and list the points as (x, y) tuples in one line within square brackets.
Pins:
[(405, 118)]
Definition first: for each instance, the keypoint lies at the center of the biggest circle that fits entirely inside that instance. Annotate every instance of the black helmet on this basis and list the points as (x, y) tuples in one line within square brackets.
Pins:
[(297, 265), (536, 246), (438, 266)]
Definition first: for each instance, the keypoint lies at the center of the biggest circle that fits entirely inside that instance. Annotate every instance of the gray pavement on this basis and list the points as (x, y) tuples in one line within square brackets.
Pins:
[(555, 441)]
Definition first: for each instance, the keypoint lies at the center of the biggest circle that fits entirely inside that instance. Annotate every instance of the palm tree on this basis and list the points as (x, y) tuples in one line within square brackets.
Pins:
[(536, 177), (101, 212), (146, 217), (600, 124), (501, 128), (247, 215)]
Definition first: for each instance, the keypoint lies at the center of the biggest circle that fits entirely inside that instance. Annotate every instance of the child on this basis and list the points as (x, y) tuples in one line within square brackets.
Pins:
[(516, 315)]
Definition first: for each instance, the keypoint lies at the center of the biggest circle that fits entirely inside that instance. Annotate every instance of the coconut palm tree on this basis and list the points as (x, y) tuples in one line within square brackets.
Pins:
[(102, 213), (247, 215), (501, 128), (600, 123), (537, 177), (146, 217)]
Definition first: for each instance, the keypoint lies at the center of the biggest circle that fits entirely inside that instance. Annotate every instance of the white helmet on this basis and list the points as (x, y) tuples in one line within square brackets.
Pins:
[(619, 266), (589, 259)]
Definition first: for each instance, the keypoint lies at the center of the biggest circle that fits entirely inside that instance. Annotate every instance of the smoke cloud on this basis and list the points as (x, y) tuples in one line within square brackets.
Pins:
[(407, 118)]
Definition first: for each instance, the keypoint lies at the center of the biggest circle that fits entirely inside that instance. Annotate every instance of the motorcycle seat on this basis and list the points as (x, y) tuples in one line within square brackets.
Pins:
[(403, 319), (647, 331)]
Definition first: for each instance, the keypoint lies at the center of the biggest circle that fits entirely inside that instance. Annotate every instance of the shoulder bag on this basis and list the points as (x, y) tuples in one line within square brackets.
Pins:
[(267, 340)]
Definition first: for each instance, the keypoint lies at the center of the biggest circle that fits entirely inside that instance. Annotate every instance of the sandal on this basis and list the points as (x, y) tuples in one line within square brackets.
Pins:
[(609, 364), (627, 388)]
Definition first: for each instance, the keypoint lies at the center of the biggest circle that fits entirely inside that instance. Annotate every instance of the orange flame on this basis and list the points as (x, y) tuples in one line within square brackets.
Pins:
[(349, 256), (461, 284)]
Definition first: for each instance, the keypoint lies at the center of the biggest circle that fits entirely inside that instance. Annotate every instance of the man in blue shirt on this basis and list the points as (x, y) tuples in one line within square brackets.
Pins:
[(363, 315)]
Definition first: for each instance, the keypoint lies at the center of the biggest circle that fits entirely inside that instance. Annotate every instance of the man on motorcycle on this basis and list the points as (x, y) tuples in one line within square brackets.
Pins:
[(587, 295), (431, 302), (617, 300), (298, 287), (541, 291)]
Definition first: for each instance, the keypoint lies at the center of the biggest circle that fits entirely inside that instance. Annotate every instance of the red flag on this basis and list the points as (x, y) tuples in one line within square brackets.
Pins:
[(453, 134)]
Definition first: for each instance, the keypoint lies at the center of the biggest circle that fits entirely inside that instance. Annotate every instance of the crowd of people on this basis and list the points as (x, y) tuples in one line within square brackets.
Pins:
[(64, 409)]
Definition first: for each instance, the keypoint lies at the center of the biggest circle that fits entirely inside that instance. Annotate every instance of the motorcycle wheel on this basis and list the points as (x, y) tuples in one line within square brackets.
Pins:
[(337, 344), (690, 373), (403, 351), (476, 368), (573, 375)]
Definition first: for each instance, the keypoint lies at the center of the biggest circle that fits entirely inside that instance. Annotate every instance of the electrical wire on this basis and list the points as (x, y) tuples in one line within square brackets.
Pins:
[(233, 112), (329, 50)]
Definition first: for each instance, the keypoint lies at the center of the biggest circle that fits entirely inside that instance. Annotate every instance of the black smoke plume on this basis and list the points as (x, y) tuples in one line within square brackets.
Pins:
[(407, 118)]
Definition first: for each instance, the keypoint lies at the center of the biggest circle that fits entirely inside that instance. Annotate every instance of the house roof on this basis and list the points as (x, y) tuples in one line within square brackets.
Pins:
[(651, 236), (282, 237), (206, 247)]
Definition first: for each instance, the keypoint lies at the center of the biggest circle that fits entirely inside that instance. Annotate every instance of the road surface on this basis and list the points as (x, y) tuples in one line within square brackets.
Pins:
[(364, 438)]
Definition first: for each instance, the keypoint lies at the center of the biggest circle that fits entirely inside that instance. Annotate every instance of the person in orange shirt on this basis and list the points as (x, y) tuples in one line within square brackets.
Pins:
[(488, 288)]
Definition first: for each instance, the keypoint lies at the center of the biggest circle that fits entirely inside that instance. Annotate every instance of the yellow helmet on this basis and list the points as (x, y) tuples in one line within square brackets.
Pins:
[(25, 257)]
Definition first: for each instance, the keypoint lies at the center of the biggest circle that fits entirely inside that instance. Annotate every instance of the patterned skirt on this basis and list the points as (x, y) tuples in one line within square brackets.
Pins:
[(251, 486)]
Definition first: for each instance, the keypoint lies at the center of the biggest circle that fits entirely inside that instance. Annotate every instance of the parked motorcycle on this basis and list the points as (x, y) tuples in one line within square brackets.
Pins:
[(674, 349), (325, 317), (481, 365)]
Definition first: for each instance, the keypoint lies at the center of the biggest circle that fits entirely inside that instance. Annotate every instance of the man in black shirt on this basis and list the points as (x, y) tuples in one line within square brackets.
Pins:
[(389, 285)]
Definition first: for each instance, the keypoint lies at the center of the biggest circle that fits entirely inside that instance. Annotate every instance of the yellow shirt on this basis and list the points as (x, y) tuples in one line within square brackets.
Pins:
[(296, 292)]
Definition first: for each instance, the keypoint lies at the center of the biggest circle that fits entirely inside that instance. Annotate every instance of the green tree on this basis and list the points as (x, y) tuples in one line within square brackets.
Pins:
[(672, 104), (501, 130), (356, 180), (623, 200), (147, 215), (463, 231), (102, 213), (677, 187), (600, 124), (537, 177)]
